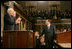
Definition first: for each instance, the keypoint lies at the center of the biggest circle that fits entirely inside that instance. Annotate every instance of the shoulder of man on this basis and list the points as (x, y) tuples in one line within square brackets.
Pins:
[(6, 14), (52, 25), (45, 26)]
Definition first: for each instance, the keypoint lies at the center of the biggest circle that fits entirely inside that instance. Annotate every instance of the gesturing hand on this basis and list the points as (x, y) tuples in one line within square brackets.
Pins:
[(18, 20)]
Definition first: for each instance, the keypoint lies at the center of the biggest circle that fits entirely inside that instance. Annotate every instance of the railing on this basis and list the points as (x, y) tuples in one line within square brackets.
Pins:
[(56, 45)]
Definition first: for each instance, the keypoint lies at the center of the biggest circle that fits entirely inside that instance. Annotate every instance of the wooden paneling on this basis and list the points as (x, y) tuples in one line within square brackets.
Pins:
[(64, 37), (18, 39), (21, 40)]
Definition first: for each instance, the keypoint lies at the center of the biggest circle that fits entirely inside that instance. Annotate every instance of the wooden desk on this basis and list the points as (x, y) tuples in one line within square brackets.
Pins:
[(64, 37), (18, 39)]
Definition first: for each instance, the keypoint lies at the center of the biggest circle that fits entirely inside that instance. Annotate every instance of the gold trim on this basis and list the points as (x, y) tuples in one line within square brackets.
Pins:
[(22, 17), (21, 25), (53, 23)]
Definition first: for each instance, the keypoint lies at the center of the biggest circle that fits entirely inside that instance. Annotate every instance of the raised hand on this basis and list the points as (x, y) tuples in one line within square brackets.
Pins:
[(18, 20)]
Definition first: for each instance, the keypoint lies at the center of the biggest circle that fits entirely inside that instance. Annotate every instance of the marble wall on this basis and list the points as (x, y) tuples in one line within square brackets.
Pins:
[(2, 16)]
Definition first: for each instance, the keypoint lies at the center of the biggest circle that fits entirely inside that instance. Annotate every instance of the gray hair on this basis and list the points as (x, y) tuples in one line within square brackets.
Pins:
[(10, 9)]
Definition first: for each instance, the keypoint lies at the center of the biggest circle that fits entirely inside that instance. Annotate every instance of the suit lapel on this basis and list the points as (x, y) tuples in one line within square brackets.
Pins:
[(50, 27), (47, 28)]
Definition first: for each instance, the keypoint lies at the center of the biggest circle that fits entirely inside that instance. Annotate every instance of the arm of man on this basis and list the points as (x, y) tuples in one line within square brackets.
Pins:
[(18, 20), (43, 32), (8, 20)]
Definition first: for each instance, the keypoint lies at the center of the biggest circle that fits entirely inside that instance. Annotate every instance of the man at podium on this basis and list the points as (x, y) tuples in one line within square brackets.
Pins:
[(9, 19)]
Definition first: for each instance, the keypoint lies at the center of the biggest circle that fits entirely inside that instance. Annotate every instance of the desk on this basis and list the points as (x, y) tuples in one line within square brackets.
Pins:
[(64, 37)]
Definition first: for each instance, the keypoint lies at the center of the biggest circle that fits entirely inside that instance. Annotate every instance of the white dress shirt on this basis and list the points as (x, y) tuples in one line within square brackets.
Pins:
[(49, 26)]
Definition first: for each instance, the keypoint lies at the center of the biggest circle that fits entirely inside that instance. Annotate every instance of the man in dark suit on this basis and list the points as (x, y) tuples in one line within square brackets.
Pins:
[(16, 24), (50, 35), (9, 20)]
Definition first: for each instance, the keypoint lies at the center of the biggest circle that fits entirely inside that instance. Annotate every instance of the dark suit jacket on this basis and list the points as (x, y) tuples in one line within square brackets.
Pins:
[(49, 33), (16, 27), (9, 22)]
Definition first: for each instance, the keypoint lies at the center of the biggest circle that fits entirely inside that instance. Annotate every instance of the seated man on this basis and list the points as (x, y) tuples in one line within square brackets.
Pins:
[(40, 43), (37, 39), (42, 40)]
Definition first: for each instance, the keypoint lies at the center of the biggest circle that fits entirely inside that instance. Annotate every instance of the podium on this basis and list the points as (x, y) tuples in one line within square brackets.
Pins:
[(18, 39)]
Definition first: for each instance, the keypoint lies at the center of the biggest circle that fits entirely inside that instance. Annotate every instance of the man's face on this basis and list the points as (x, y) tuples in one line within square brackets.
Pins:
[(14, 14), (11, 11), (47, 22), (36, 34)]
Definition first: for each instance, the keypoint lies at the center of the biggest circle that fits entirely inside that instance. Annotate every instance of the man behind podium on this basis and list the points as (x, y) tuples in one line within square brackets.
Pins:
[(49, 32), (9, 20)]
